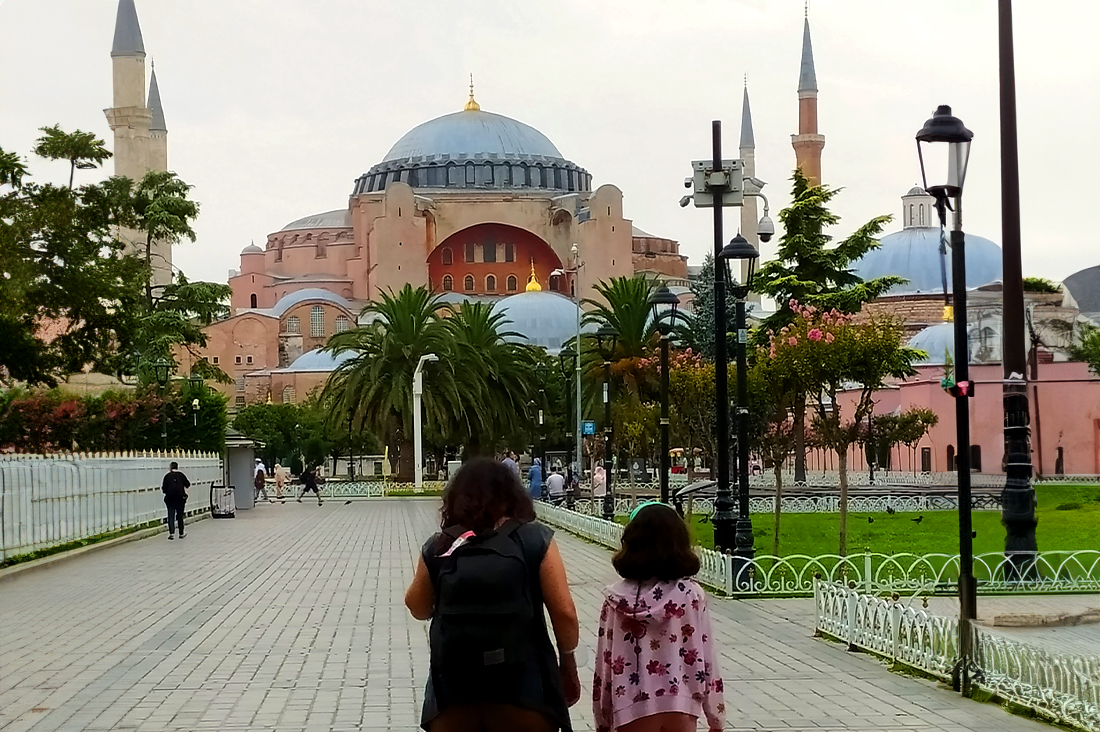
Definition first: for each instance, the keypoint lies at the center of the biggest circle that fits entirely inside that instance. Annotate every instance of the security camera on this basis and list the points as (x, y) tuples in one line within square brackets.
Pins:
[(689, 182), (765, 229), (685, 201)]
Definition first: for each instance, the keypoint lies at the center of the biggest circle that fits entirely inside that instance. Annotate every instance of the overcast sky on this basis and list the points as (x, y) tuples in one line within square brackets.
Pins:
[(275, 106)]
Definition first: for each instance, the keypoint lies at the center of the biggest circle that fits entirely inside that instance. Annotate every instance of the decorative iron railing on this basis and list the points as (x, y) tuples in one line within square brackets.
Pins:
[(1062, 686), (809, 504)]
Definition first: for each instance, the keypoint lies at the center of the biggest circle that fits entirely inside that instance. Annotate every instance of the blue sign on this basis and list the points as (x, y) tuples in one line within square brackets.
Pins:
[(589, 427)]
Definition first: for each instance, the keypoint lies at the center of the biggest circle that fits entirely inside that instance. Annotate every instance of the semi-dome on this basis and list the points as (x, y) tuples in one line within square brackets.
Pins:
[(475, 149), (1084, 286), (914, 253), (545, 319), (318, 361), (286, 302), (337, 219), (937, 341)]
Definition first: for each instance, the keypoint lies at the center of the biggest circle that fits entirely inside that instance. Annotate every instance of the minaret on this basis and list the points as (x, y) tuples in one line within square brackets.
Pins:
[(749, 216), (808, 143), (158, 131)]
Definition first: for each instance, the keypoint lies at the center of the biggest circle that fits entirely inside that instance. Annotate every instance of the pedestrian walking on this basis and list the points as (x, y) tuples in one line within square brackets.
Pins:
[(510, 461), (259, 481), (487, 581), (309, 483), (174, 486), (599, 482), (656, 663), (280, 482), (555, 486), (534, 480)]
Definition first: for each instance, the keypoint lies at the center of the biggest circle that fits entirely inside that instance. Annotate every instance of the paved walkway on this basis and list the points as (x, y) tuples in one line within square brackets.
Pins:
[(290, 618)]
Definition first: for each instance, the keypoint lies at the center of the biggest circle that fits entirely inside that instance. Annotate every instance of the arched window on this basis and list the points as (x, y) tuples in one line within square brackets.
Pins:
[(252, 300), (448, 283), (317, 322), (509, 252), (448, 256), (976, 458), (490, 283), (513, 283), (469, 174), (912, 217), (951, 457), (293, 325), (288, 395), (922, 214), (469, 251), (342, 323), (468, 283)]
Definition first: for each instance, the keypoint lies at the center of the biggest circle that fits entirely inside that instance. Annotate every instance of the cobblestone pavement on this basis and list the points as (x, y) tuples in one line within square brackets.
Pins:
[(290, 618)]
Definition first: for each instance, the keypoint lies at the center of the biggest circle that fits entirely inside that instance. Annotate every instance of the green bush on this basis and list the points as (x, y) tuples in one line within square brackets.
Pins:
[(1069, 506)]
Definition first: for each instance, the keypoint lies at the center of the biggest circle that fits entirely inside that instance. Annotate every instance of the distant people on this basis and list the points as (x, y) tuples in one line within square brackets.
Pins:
[(309, 483), (655, 621), (510, 461), (280, 482), (484, 581), (534, 479), (174, 486), (599, 482), (259, 481), (555, 486)]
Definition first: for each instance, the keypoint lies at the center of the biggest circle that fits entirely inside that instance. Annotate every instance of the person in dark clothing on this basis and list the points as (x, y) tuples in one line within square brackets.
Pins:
[(174, 486), (309, 483)]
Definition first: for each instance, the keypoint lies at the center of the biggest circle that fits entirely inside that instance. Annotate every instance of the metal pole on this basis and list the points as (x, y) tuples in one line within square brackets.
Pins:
[(724, 520), (665, 460), (871, 446), (163, 422), (1018, 497), (577, 378), (418, 429), (967, 586), (743, 538), (608, 465), (351, 447)]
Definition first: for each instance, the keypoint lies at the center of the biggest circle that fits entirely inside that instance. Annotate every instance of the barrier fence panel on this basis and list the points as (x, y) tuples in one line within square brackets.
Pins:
[(46, 500)]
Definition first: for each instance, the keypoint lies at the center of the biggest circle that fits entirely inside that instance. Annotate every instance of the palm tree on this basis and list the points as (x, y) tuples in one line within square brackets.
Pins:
[(625, 307), (375, 387)]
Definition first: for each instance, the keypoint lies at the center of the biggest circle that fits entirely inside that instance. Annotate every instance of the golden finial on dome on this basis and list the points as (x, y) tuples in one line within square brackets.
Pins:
[(471, 103), (533, 280)]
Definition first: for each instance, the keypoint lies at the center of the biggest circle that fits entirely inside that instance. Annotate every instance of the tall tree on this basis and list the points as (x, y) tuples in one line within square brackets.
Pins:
[(82, 150), (808, 270), (624, 305), (700, 325)]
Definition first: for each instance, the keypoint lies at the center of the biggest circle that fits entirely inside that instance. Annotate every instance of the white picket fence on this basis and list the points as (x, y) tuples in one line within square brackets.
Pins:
[(49, 500), (1063, 686)]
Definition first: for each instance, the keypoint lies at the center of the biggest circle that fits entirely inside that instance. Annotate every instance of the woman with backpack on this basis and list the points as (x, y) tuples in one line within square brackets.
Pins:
[(484, 581), (656, 664)]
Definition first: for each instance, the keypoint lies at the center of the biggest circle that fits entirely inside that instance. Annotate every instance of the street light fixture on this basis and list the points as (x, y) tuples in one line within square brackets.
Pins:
[(567, 361), (161, 370), (743, 252), (664, 303), (541, 371), (418, 420), (943, 172), (607, 337), (575, 255), (195, 380)]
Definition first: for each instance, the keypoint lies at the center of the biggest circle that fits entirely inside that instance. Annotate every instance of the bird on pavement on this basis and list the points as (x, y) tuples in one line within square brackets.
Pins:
[(917, 520), (347, 503)]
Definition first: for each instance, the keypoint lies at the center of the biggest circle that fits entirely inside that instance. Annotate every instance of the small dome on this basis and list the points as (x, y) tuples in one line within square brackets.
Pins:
[(337, 219), (252, 249), (318, 360), (916, 191), (310, 293), (938, 341), (914, 253), (545, 319)]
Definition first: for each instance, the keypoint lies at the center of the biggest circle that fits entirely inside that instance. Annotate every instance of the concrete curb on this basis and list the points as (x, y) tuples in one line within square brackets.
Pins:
[(1056, 620), (36, 564)]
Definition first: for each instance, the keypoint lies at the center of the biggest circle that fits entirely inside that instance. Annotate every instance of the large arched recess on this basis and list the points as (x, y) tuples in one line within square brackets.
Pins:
[(490, 244)]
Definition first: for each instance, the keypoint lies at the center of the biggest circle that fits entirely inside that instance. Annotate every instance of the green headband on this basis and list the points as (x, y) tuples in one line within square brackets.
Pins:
[(647, 504)]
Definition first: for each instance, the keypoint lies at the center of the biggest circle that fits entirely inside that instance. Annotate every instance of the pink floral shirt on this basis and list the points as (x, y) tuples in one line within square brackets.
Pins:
[(655, 654)]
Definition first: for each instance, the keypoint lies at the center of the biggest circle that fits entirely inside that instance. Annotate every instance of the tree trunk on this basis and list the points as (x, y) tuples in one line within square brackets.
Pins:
[(149, 265), (778, 468), (842, 465), (800, 439), (406, 461)]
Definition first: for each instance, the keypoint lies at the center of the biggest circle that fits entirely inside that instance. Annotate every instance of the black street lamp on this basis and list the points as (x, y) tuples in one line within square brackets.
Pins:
[(161, 370), (741, 250), (664, 303), (567, 361), (195, 380), (541, 371), (607, 336), (943, 171)]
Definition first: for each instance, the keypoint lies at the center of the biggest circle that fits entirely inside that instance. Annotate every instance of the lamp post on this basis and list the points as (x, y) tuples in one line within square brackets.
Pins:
[(943, 171), (161, 370), (575, 255), (418, 426), (567, 361), (607, 337), (1018, 497), (195, 380), (664, 303), (744, 253), (541, 371)]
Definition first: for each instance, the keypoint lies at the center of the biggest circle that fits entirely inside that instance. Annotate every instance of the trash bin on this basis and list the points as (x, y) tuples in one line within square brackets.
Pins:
[(222, 502)]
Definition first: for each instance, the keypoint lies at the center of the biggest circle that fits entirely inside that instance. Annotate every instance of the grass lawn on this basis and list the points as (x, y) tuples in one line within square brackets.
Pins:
[(1075, 526)]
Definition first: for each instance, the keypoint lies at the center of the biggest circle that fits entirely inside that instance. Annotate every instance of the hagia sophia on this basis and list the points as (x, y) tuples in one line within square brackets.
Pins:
[(479, 206)]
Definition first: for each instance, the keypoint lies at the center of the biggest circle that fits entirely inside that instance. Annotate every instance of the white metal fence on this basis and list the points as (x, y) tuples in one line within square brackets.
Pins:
[(1063, 686), (49, 500)]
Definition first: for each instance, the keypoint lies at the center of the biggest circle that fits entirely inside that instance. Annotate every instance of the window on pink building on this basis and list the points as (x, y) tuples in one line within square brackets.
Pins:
[(513, 283), (491, 283), (317, 322), (448, 283), (447, 256), (468, 283), (293, 325)]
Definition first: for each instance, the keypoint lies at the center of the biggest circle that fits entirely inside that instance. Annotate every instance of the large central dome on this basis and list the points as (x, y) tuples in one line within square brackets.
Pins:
[(473, 149), (466, 134)]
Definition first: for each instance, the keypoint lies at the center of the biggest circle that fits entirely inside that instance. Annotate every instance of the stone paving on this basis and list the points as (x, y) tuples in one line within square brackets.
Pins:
[(1082, 639), (290, 618)]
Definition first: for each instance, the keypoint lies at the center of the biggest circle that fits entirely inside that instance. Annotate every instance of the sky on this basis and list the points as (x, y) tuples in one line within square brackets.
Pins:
[(274, 107)]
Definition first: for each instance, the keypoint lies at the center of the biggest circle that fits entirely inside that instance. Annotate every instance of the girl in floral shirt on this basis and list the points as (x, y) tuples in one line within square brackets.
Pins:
[(656, 665)]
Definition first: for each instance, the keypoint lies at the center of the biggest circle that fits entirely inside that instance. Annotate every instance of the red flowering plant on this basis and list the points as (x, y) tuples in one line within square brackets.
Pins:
[(829, 354)]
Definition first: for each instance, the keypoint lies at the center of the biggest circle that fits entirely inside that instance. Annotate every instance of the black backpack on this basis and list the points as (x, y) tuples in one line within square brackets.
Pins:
[(484, 625)]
